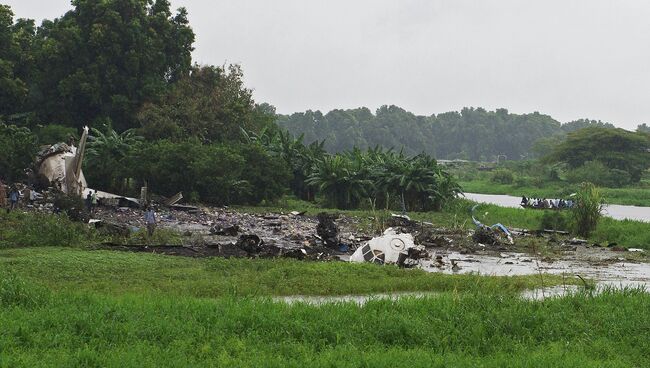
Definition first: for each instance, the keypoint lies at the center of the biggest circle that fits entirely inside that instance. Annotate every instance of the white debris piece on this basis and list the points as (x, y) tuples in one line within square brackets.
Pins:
[(61, 164), (390, 248)]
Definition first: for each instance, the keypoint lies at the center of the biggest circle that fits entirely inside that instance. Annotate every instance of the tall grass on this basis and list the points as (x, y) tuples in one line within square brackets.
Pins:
[(18, 229), (75, 329), (588, 208), (120, 272)]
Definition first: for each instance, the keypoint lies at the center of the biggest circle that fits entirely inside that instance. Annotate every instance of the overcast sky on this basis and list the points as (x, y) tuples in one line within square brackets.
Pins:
[(568, 59)]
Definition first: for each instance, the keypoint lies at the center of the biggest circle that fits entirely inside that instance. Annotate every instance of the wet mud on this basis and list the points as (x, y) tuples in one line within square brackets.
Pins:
[(216, 232)]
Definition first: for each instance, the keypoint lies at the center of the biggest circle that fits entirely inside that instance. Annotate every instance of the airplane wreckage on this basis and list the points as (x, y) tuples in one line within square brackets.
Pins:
[(61, 164), (403, 244)]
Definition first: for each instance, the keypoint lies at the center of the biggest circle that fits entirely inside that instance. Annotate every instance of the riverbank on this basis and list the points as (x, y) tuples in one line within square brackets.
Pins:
[(622, 196), (111, 309)]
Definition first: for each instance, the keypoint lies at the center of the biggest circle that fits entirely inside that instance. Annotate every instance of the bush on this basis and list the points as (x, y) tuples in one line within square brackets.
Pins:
[(587, 210), (555, 220), (267, 176), (17, 151), (599, 174), (217, 173), (503, 176), (53, 133), (521, 182), (72, 206), (41, 230)]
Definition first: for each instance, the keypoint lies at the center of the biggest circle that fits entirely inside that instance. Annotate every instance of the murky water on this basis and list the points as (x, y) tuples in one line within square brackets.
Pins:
[(616, 211), (594, 264), (590, 263), (357, 299)]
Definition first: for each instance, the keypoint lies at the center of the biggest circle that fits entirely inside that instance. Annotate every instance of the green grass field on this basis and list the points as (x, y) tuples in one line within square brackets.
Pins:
[(71, 307), (119, 273)]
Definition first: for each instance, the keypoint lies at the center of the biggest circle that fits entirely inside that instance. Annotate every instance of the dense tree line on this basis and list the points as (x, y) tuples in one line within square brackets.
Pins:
[(97, 63), (472, 134), (124, 68), (611, 157)]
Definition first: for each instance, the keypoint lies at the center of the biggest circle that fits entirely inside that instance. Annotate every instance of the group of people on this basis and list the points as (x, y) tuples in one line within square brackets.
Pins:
[(91, 201), (544, 203)]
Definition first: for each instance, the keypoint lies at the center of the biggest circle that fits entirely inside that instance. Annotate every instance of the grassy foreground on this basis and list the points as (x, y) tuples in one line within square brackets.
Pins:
[(79, 308), (120, 273)]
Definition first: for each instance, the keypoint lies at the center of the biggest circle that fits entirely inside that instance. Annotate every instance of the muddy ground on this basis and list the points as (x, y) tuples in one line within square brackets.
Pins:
[(226, 233)]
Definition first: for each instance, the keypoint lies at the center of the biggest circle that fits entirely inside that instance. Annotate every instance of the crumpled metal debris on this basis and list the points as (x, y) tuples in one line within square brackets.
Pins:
[(390, 248), (493, 235), (231, 230), (327, 230)]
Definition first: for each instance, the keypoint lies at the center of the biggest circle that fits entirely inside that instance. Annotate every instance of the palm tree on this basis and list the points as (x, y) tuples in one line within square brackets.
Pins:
[(105, 157), (336, 178)]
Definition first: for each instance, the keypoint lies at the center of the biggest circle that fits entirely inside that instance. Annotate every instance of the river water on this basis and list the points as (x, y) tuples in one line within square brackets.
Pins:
[(615, 211)]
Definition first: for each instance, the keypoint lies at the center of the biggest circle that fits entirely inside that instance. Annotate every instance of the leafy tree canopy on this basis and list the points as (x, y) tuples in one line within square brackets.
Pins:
[(614, 148), (210, 103), (99, 61)]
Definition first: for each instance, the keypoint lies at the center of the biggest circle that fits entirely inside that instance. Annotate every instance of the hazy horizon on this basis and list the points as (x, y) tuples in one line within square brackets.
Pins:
[(567, 59)]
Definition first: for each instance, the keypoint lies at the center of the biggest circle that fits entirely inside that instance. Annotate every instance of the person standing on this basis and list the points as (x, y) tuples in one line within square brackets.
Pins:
[(14, 195), (150, 220), (94, 200), (89, 203)]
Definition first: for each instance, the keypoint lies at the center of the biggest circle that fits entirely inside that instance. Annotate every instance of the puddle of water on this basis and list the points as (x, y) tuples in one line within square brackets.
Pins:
[(549, 292), (610, 273), (357, 299)]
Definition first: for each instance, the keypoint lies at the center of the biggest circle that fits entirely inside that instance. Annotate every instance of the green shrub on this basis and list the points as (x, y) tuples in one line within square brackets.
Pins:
[(38, 230), (18, 147), (503, 176), (53, 133), (72, 206), (216, 173), (587, 210), (521, 182), (596, 172), (555, 220)]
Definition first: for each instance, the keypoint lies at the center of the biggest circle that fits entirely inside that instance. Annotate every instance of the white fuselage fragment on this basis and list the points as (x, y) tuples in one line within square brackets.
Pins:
[(57, 167), (390, 248)]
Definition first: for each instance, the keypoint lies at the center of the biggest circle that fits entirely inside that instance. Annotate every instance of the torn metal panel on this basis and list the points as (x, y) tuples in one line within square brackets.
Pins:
[(390, 248), (174, 199), (114, 200), (186, 208)]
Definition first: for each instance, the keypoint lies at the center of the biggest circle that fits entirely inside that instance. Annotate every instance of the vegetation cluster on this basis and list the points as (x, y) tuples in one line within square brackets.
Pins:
[(614, 159), (473, 134), (124, 68)]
